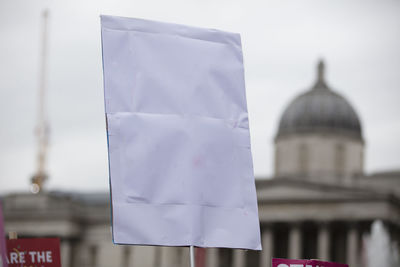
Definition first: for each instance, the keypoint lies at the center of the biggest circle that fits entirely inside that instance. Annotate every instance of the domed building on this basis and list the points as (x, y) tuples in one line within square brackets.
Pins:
[(319, 203), (319, 136)]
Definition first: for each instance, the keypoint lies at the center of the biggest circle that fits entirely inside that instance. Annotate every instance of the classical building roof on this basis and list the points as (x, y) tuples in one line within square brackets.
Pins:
[(293, 199), (320, 109)]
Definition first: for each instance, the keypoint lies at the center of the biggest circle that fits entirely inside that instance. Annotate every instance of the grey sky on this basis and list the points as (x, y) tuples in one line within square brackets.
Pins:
[(282, 41)]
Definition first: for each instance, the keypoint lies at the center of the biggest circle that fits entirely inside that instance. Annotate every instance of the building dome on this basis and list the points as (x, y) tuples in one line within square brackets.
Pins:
[(320, 110)]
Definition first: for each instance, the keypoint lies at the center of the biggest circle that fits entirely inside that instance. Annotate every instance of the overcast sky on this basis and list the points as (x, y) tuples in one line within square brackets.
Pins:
[(282, 42)]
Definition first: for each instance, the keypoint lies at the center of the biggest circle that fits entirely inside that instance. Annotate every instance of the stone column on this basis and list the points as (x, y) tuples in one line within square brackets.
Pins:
[(169, 257), (145, 256), (212, 257), (295, 241), (267, 245), (182, 257), (126, 256), (323, 242), (165, 257), (65, 248), (239, 258), (157, 258), (352, 245)]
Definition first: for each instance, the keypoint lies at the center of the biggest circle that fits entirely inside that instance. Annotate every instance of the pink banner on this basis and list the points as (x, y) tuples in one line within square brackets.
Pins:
[(3, 249), (305, 263)]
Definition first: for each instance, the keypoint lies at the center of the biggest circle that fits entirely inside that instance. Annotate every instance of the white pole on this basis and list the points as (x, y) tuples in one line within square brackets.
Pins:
[(192, 262)]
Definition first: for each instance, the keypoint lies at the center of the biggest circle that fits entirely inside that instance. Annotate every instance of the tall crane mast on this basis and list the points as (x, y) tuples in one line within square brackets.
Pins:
[(42, 128)]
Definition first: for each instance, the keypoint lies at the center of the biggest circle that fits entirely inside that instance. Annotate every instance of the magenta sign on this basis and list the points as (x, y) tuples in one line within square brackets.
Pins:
[(305, 263), (3, 249)]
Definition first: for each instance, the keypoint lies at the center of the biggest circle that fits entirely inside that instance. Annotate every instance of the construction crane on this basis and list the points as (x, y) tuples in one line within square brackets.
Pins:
[(42, 127)]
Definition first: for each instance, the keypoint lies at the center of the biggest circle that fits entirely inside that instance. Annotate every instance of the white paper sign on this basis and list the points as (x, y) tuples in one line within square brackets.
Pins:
[(181, 169)]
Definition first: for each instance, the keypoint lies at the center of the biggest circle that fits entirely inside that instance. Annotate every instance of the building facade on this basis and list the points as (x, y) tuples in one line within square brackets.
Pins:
[(319, 204)]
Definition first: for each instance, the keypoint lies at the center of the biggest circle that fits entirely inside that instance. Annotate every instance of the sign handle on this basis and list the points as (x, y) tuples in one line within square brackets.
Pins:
[(192, 261)]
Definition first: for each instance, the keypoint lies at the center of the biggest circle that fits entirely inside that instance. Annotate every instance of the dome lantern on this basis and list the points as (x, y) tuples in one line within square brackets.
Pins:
[(320, 84)]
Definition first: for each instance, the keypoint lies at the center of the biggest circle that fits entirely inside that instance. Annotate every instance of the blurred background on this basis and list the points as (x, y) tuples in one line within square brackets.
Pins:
[(323, 90)]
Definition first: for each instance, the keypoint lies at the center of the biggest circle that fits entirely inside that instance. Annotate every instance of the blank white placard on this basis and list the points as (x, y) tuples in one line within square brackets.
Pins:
[(180, 163)]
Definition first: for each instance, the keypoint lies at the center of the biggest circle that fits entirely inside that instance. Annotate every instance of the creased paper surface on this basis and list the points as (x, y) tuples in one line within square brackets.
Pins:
[(178, 136)]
